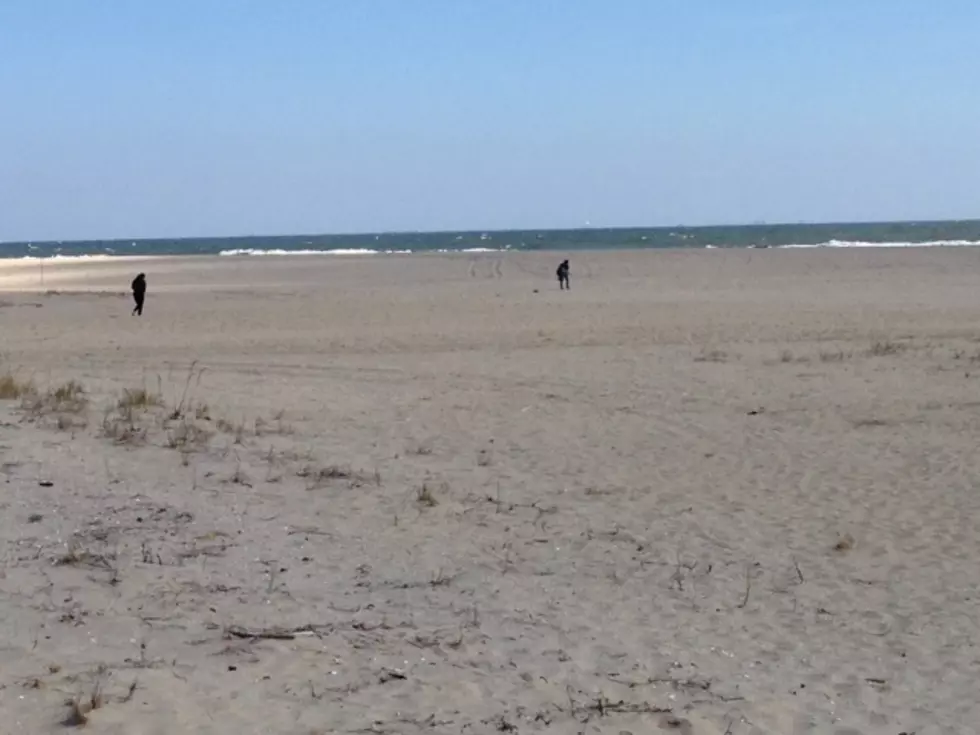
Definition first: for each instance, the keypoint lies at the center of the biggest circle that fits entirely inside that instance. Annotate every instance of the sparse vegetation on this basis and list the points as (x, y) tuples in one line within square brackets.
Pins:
[(421, 448), (71, 392), (425, 497), (863, 423), (238, 430), (325, 474), (886, 348), (120, 426), (184, 405), (69, 423), (80, 707), (712, 356), (832, 356), (77, 555), (186, 435), (139, 398), (272, 461), (65, 403), (240, 477), (961, 354), (12, 388), (276, 425), (441, 579), (317, 477)]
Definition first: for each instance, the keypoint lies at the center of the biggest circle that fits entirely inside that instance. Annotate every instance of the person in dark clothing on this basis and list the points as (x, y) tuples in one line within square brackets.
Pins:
[(563, 276), (139, 293)]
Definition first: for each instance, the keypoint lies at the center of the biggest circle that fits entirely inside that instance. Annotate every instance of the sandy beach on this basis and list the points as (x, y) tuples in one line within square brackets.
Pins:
[(704, 492)]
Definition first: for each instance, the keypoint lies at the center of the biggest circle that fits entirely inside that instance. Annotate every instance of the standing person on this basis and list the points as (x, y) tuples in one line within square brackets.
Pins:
[(139, 293), (563, 276)]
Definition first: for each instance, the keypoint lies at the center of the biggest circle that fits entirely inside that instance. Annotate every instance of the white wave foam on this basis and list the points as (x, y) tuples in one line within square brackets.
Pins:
[(862, 244), (471, 250), (338, 251), (58, 256)]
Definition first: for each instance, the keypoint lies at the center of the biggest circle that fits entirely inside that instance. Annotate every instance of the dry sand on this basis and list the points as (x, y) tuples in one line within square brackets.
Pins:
[(435, 494)]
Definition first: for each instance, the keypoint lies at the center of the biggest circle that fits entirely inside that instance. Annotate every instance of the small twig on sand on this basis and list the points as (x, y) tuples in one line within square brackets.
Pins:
[(602, 706), (81, 707), (748, 587), (678, 576), (131, 691), (275, 634), (799, 571), (676, 683), (307, 531)]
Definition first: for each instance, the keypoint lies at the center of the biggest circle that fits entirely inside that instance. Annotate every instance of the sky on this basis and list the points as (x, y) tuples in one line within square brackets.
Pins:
[(133, 118)]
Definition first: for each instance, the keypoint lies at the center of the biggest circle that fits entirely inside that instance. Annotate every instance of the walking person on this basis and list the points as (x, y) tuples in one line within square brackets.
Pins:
[(563, 283), (139, 293)]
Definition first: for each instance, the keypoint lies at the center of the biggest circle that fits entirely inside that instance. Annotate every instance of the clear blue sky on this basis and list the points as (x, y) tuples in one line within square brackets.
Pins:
[(135, 118)]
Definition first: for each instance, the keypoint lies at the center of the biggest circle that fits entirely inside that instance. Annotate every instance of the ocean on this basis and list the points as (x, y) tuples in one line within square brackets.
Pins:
[(879, 234)]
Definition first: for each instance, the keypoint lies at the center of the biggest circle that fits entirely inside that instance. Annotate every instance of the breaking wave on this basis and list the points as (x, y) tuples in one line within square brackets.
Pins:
[(349, 251), (863, 244), (58, 256), (337, 251)]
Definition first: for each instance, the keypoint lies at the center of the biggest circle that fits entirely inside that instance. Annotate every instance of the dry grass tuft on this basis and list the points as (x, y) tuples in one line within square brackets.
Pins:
[(961, 354), (832, 356), (64, 402), (187, 436), (441, 579), (712, 356), (425, 497), (71, 393), (139, 398), (868, 423), (325, 474), (81, 707), (184, 406), (12, 388), (240, 477), (120, 426), (69, 423), (78, 556), (236, 430), (787, 356), (886, 348), (275, 425), (318, 477), (423, 448)]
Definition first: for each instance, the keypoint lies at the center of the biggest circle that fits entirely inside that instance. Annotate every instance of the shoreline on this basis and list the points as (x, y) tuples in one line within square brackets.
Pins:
[(535, 269), (272, 253)]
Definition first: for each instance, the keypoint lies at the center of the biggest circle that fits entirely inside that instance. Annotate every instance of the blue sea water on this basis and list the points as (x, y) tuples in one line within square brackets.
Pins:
[(880, 234)]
